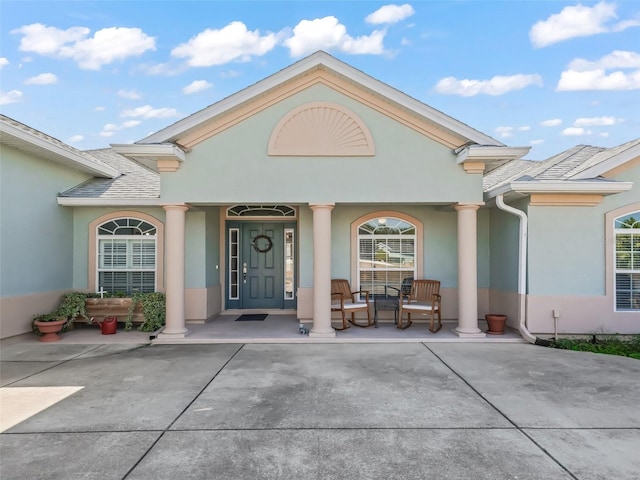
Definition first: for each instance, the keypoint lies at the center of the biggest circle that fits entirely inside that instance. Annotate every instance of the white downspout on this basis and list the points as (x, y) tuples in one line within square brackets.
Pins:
[(522, 271)]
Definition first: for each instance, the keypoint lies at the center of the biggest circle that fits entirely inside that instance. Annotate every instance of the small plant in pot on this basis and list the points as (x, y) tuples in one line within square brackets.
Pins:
[(49, 325)]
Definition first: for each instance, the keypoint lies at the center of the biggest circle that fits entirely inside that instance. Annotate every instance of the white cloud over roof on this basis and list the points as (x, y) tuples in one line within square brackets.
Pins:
[(12, 96), (390, 14), (577, 21), (217, 47), (497, 85), (91, 53), (329, 34), (196, 86)]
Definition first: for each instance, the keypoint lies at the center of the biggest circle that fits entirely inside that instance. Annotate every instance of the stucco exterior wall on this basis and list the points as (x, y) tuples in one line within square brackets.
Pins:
[(407, 166), (36, 239)]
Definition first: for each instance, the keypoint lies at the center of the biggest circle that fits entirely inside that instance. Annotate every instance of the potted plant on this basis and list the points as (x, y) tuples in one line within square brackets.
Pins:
[(496, 323), (49, 325)]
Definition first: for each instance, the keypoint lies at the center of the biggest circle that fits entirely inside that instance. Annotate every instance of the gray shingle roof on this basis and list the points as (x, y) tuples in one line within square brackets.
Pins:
[(136, 181), (563, 166)]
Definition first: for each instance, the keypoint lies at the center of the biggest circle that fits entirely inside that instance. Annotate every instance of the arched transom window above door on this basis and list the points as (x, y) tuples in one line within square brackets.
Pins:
[(321, 129)]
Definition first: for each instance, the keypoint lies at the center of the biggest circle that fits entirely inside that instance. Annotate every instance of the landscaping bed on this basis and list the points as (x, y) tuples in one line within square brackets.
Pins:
[(607, 344)]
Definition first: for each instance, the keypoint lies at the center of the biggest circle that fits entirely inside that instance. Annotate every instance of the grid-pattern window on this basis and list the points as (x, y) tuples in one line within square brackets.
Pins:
[(627, 265), (386, 253), (127, 256)]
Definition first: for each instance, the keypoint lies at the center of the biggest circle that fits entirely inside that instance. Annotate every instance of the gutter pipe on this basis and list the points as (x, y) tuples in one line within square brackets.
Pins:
[(522, 271)]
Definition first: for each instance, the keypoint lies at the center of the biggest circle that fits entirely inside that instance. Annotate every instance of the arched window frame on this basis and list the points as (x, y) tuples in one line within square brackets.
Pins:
[(624, 261), (94, 245), (417, 271)]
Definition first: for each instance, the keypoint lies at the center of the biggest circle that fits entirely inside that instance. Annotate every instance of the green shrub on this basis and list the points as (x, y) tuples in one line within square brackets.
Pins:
[(607, 344)]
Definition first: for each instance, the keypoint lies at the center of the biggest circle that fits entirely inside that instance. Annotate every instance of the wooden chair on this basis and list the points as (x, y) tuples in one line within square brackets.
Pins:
[(424, 299), (344, 301)]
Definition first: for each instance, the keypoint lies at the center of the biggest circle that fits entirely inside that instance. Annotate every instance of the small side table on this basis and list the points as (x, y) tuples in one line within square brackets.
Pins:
[(385, 303)]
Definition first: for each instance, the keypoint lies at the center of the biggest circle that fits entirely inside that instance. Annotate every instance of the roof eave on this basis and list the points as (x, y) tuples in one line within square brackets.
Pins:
[(58, 154), (527, 188), (108, 202)]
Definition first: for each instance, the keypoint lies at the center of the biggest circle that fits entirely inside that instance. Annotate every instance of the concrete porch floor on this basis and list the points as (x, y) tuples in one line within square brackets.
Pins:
[(278, 328)]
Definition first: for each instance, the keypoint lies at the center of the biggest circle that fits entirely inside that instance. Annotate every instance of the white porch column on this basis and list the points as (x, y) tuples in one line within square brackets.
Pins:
[(468, 272), (174, 272), (322, 271)]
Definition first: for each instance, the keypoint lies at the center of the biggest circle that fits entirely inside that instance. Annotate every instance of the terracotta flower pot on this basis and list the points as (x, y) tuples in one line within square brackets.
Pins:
[(496, 323), (50, 329)]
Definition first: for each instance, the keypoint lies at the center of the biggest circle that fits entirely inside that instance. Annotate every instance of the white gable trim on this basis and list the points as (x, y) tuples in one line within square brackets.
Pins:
[(42, 146), (560, 186), (319, 60), (610, 164)]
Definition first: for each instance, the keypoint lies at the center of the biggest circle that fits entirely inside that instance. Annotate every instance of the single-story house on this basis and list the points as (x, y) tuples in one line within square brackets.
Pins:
[(320, 171)]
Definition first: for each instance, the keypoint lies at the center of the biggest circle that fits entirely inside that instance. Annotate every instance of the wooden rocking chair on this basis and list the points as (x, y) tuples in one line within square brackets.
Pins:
[(344, 300), (424, 299)]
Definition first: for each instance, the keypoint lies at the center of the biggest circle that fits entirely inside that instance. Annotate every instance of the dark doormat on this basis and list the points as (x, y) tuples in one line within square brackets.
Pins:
[(252, 317)]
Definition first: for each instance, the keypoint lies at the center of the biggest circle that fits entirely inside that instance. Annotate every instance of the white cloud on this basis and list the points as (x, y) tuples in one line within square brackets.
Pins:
[(390, 14), (524, 128), (217, 47), (572, 80), (12, 96), (328, 34), (582, 74), (554, 122), (3, 62), (76, 139), (42, 79), (147, 111), (616, 59), (604, 134), (91, 53), (575, 132), (577, 21), (497, 85), (595, 121), (504, 132), (196, 86), (537, 141), (110, 128), (99, 108), (130, 94)]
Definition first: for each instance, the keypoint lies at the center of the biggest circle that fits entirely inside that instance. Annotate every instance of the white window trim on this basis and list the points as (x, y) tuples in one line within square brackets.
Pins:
[(419, 244), (93, 245)]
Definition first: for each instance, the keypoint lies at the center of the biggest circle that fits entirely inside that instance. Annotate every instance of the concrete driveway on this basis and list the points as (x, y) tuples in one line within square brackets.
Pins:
[(317, 411)]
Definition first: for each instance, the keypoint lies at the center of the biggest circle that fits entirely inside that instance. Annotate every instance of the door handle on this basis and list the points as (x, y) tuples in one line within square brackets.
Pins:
[(244, 272)]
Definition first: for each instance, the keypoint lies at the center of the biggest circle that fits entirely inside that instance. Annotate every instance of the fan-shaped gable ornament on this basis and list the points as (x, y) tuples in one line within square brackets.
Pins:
[(321, 129)]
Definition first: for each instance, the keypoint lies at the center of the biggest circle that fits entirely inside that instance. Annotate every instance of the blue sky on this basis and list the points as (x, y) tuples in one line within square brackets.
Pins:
[(545, 74)]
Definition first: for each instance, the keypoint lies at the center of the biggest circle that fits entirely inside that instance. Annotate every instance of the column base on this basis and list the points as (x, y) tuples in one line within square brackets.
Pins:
[(326, 334), (469, 332), (179, 333)]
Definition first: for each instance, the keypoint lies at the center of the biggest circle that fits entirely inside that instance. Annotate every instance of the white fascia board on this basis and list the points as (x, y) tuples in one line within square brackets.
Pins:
[(489, 153), (525, 188), (316, 60), (108, 202), (164, 151), (615, 161), (58, 154)]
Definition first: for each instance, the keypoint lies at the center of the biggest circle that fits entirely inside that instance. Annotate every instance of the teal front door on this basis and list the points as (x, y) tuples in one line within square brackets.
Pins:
[(262, 261), (261, 265)]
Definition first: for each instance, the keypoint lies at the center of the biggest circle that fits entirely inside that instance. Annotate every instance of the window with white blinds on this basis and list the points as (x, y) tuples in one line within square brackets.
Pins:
[(627, 264), (127, 256), (386, 253)]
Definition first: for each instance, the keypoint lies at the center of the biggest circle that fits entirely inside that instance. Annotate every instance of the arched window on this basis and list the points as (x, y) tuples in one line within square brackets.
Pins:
[(386, 253), (627, 261), (126, 256)]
